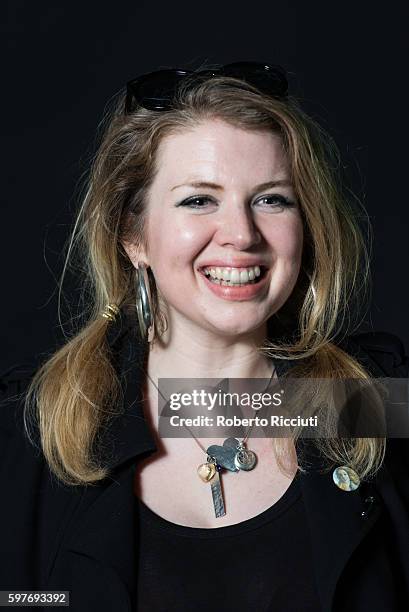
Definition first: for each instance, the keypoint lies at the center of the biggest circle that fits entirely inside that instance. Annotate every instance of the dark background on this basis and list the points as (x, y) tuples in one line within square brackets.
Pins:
[(64, 61)]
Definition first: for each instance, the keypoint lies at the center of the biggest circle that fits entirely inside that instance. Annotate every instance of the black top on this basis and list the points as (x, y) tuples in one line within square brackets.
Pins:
[(263, 563)]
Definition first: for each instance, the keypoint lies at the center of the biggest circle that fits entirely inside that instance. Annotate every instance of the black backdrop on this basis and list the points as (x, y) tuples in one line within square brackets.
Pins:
[(64, 60)]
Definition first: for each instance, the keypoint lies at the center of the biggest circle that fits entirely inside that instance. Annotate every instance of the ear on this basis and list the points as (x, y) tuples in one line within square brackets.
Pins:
[(136, 253)]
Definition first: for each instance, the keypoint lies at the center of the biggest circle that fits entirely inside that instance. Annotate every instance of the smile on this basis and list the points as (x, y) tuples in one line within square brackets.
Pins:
[(230, 276), (238, 284)]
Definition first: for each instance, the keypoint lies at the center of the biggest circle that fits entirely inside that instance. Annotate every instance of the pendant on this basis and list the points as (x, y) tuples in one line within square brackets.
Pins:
[(224, 455), (206, 471), (245, 459), (233, 455), (217, 495), (209, 472)]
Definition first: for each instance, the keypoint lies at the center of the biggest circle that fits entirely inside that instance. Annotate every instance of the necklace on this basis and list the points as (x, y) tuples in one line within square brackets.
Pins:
[(233, 456)]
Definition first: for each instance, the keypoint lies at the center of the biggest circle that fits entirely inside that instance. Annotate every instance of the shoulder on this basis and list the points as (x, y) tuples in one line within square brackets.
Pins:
[(382, 353)]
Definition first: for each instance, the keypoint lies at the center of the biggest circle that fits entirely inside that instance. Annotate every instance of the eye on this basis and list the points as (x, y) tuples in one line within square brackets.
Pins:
[(272, 201), (196, 202), (275, 201)]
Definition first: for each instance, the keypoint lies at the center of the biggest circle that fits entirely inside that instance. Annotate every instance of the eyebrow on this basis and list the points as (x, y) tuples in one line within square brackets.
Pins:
[(209, 185)]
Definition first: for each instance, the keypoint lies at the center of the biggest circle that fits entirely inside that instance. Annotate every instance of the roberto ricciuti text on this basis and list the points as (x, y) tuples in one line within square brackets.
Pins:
[(235, 421)]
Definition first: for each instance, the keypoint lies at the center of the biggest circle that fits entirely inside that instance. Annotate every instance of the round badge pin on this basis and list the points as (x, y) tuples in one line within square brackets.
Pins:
[(346, 478)]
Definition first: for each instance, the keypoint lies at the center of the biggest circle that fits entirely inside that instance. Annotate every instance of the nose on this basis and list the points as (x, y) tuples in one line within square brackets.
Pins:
[(237, 228)]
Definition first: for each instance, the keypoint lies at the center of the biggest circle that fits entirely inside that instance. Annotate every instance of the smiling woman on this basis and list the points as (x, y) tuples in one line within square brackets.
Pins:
[(216, 242)]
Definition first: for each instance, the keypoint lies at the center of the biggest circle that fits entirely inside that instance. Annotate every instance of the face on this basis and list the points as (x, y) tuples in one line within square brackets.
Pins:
[(224, 241), (343, 475)]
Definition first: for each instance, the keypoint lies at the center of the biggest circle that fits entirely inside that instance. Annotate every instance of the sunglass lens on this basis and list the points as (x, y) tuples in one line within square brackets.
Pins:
[(269, 78), (155, 90)]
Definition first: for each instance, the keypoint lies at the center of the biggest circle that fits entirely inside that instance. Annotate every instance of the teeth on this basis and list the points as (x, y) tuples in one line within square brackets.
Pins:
[(233, 276)]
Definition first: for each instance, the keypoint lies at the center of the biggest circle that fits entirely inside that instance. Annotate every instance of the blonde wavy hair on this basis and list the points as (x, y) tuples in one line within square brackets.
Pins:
[(76, 390)]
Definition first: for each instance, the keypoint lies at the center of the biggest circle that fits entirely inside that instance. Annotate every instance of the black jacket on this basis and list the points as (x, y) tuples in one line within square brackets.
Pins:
[(84, 539)]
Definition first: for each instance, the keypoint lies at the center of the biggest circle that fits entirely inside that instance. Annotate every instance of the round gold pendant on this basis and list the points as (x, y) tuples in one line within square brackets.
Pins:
[(206, 471)]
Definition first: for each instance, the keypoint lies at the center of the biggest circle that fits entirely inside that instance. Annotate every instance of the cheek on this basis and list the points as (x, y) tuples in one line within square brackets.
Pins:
[(286, 239), (176, 243)]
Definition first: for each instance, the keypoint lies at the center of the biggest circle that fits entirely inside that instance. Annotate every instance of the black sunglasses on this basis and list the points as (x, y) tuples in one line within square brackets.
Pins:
[(156, 90)]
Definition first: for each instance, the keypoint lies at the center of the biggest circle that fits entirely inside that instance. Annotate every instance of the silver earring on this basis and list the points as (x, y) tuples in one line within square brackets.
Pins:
[(144, 302)]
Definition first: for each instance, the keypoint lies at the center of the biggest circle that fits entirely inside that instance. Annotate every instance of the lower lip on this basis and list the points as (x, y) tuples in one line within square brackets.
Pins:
[(247, 292)]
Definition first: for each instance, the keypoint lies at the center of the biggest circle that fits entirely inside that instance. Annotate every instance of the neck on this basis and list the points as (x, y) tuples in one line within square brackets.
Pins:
[(193, 352)]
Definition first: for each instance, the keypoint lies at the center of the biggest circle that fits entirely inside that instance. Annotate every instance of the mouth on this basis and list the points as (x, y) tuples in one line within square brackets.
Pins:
[(234, 277)]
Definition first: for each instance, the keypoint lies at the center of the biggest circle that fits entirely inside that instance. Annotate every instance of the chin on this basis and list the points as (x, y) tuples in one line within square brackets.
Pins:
[(233, 329)]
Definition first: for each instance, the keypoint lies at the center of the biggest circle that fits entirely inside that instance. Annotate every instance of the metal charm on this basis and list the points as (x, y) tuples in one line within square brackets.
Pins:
[(233, 455), (206, 471), (232, 443), (225, 454), (245, 459), (209, 472), (218, 502)]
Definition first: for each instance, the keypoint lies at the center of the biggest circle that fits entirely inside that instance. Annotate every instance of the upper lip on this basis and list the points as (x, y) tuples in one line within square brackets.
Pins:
[(232, 263)]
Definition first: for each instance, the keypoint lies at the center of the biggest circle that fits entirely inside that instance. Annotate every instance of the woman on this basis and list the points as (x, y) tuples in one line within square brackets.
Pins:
[(218, 244)]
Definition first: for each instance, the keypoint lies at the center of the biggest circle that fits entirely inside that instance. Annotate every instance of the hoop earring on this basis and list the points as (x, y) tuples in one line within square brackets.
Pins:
[(144, 302)]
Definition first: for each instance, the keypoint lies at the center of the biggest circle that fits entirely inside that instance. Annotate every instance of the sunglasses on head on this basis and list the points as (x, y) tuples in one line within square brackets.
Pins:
[(156, 90)]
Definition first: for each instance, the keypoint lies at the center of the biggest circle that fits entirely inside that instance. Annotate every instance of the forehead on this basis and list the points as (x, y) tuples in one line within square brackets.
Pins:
[(217, 151)]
